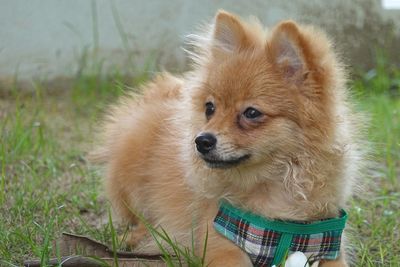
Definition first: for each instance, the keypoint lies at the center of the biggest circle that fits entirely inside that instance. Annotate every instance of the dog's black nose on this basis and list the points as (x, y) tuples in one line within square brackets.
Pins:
[(205, 142)]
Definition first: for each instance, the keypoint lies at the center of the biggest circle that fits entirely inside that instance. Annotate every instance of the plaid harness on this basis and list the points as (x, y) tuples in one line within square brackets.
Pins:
[(267, 242)]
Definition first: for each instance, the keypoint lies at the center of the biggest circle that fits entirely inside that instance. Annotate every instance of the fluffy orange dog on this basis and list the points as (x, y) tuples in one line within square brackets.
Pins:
[(262, 121)]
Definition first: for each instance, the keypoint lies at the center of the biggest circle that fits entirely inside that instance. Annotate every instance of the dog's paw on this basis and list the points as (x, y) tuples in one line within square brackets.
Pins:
[(230, 258), (134, 236)]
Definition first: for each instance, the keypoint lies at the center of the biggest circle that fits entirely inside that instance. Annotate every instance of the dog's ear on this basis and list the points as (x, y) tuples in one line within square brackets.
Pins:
[(229, 34), (288, 50)]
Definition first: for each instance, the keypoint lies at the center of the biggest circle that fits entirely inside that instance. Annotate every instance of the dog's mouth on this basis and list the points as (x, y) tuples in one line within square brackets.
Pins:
[(213, 162)]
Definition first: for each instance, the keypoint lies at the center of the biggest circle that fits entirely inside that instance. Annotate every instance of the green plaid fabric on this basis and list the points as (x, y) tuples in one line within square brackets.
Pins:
[(267, 242)]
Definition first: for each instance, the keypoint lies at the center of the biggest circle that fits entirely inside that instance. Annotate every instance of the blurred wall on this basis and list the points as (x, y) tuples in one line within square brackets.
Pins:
[(50, 38)]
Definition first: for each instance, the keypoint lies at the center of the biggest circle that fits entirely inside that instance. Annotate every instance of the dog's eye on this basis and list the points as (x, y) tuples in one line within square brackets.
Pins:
[(252, 113), (210, 109)]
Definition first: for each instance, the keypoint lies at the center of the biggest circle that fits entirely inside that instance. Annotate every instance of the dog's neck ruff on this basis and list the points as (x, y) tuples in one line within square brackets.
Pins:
[(267, 242)]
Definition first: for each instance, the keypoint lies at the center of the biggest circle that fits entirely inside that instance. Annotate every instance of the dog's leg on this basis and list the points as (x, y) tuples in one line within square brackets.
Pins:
[(222, 252), (136, 235), (228, 257)]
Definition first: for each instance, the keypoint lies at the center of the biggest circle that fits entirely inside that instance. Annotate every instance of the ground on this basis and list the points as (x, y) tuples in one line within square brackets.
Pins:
[(47, 185)]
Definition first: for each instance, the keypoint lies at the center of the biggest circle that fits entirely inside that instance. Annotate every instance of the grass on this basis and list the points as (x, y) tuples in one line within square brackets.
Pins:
[(47, 185), (375, 216)]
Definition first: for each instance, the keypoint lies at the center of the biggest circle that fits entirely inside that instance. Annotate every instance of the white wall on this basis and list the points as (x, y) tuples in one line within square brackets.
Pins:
[(47, 38)]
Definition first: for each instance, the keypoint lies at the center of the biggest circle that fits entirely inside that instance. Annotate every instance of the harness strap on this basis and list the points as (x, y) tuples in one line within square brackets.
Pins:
[(283, 248), (268, 242)]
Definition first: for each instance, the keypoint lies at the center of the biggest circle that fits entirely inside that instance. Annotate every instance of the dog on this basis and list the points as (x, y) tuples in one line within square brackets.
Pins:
[(263, 122)]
